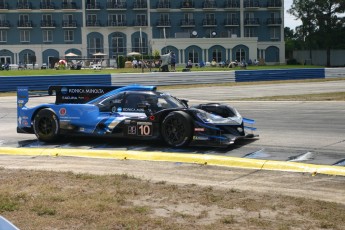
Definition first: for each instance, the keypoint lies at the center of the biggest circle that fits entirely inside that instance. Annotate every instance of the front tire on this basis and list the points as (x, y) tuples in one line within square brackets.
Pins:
[(177, 129), (46, 125)]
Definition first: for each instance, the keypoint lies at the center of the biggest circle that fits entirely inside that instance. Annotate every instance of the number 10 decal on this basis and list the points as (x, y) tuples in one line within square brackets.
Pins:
[(144, 130)]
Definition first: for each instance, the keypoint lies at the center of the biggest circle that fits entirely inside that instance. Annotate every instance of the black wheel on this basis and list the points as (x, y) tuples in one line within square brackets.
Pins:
[(177, 129), (46, 125)]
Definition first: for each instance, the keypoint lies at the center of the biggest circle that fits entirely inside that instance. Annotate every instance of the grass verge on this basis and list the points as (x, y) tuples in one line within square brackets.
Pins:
[(65, 200)]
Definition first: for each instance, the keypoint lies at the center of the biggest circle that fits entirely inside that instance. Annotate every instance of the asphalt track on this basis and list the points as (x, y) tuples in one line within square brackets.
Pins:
[(294, 136)]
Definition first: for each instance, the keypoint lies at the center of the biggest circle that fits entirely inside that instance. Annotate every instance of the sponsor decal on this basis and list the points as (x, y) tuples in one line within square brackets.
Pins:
[(62, 111), (127, 122), (132, 130), (91, 91), (119, 109), (113, 109), (64, 90), (20, 101), (132, 110), (200, 138), (199, 129), (25, 123), (152, 118), (144, 123)]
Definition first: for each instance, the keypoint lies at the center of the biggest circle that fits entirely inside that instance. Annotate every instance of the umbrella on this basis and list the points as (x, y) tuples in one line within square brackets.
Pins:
[(99, 54), (71, 55), (62, 62), (133, 54)]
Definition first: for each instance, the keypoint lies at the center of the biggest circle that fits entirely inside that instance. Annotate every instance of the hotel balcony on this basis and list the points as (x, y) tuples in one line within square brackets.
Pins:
[(164, 23), (253, 4), (274, 21), (163, 6), (187, 5), (112, 23), (69, 24), (187, 23), (140, 6), (69, 6), (140, 23), (25, 24), (49, 6), (231, 4), (94, 6), (93, 23), (4, 24), (24, 6), (251, 22), (274, 4), (209, 22), (209, 5), (4, 6), (231, 22), (116, 6), (48, 24)]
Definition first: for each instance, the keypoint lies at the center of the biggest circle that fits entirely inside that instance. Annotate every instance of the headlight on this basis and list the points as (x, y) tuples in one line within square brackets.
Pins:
[(216, 119)]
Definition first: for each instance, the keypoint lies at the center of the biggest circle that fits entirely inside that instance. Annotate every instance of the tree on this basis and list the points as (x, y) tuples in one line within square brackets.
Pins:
[(321, 22)]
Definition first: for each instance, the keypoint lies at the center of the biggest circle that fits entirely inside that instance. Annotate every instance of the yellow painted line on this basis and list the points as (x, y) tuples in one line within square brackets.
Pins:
[(180, 157)]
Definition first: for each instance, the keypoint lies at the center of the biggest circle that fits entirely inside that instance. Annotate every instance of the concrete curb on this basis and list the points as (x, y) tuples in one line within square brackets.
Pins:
[(215, 160)]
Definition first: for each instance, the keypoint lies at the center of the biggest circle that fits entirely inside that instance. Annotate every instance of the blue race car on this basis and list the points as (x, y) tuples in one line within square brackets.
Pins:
[(133, 112)]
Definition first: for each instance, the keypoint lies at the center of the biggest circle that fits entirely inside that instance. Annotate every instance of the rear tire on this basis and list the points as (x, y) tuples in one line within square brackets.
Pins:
[(46, 125), (177, 129)]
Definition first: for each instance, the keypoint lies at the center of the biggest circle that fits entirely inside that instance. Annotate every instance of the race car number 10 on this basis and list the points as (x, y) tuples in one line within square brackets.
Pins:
[(144, 130)]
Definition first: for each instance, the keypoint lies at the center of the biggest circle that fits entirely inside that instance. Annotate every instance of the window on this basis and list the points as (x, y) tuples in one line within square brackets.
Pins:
[(141, 20), (24, 36), (250, 32), (3, 36), (240, 55), (140, 47), (193, 55), (275, 33), (47, 35), (95, 45), (69, 35), (118, 43), (117, 19), (217, 55)]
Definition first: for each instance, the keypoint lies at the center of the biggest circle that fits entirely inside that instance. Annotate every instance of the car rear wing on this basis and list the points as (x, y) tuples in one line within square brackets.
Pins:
[(78, 94)]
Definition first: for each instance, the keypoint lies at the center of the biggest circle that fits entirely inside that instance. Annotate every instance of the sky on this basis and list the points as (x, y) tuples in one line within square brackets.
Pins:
[(289, 20)]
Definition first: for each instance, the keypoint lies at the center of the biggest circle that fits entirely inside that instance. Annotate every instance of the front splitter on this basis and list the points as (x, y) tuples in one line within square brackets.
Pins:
[(203, 159)]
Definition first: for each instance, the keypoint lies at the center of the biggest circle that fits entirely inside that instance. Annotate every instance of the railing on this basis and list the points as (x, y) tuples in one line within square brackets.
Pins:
[(26, 24), (164, 23), (274, 21), (48, 23), (231, 4), (4, 6), (274, 4), (231, 22), (93, 23), (251, 22), (69, 6), (161, 5), (94, 6), (140, 5), (140, 23), (251, 4), (49, 6), (187, 22), (187, 4), (24, 6), (120, 6), (117, 23), (209, 22), (4, 23), (209, 4), (69, 23)]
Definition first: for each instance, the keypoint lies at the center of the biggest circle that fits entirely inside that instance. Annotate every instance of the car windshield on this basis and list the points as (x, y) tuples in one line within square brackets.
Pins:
[(166, 101)]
